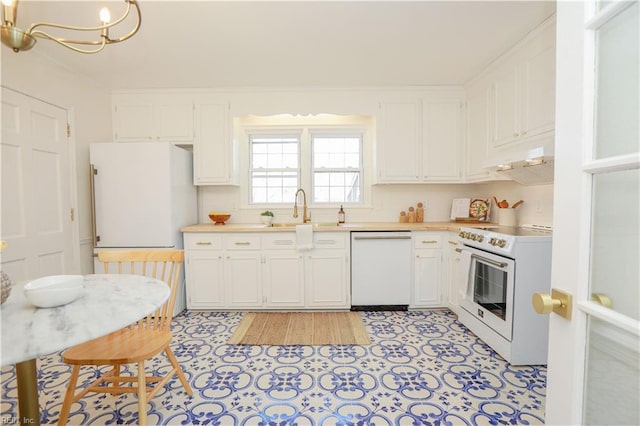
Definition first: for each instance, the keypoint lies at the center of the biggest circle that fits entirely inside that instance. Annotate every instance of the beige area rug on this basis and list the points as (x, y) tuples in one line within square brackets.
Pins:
[(300, 328)]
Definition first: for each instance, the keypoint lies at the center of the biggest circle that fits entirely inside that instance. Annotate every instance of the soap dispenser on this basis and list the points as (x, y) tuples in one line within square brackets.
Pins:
[(341, 215)]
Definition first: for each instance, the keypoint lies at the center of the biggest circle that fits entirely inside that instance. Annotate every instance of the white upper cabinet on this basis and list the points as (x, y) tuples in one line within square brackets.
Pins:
[(477, 135), (419, 141), (213, 152), (441, 129), (399, 145), (152, 117), (522, 90)]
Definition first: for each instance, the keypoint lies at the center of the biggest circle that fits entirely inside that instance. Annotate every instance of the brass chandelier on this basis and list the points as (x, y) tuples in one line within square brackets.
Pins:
[(20, 40)]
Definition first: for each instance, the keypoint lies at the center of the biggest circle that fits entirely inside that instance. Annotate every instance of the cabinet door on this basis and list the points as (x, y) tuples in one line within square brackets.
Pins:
[(504, 102), (243, 279), (428, 276), (133, 121), (441, 130), (173, 121), (538, 85), (477, 134), (326, 279), (212, 148), (205, 282), (284, 279), (455, 282), (399, 142)]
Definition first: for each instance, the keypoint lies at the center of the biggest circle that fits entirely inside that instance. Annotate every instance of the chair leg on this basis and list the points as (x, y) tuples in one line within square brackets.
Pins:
[(116, 373), (142, 395), (68, 397), (179, 372)]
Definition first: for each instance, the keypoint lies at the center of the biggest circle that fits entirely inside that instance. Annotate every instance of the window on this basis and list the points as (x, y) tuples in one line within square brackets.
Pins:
[(274, 168), (337, 168), (326, 159)]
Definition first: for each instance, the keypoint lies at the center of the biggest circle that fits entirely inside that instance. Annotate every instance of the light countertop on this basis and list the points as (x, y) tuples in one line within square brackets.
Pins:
[(334, 227)]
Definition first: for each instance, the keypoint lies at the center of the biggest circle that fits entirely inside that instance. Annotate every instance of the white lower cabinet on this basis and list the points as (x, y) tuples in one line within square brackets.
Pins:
[(427, 269), (283, 271), (243, 279), (327, 279), (265, 271), (327, 271), (205, 275)]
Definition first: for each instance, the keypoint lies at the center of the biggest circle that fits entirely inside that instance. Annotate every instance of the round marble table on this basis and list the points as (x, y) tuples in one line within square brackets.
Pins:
[(109, 302)]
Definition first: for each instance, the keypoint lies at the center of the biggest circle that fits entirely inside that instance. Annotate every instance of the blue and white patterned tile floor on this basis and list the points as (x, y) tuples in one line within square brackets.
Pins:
[(422, 368)]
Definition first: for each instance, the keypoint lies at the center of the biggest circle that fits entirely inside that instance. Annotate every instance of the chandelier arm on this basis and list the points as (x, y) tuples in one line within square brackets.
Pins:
[(68, 45), (96, 28)]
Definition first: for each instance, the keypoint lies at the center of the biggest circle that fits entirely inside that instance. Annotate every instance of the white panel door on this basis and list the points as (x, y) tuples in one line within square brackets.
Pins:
[(594, 358), (36, 189)]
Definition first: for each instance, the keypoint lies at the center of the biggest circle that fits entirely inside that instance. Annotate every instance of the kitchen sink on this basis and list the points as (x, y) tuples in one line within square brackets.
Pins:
[(315, 224)]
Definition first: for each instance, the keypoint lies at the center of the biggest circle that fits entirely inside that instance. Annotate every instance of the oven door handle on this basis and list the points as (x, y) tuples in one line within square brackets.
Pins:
[(489, 261)]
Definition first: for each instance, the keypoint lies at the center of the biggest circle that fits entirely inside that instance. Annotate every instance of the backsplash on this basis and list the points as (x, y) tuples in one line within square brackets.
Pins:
[(388, 200)]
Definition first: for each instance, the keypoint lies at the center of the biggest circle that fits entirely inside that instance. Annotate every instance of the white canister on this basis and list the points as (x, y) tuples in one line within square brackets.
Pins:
[(507, 217)]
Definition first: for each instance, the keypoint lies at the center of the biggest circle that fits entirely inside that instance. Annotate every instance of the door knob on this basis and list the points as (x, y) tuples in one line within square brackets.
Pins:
[(602, 299), (559, 302)]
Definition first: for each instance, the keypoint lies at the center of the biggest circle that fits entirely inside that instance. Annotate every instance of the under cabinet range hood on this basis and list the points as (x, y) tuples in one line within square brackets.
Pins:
[(531, 168)]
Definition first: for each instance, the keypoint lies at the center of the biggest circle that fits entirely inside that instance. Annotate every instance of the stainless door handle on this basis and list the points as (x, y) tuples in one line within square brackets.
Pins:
[(383, 238), (92, 188), (489, 261)]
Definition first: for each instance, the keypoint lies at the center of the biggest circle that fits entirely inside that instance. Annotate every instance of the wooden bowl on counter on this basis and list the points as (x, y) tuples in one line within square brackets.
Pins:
[(219, 218)]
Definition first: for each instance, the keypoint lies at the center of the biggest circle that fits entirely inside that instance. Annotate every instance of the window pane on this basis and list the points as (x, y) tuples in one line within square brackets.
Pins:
[(614, 263), (273, 186), (339, 155), (618, 85), (336, 187), (274, 166), (612, 376)]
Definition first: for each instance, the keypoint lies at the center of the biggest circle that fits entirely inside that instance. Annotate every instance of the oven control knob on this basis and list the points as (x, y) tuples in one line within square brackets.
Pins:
[(479, 238), (492, 241), (461, 234), (502, 243), (473, 237)]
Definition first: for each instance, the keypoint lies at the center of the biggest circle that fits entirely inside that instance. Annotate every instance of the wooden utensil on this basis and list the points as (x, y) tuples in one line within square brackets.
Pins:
[(495, 200), (516, 204), (503, 204)]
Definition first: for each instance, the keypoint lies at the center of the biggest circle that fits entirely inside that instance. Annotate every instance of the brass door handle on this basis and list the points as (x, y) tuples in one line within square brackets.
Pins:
[(558, 302), (602, 299)]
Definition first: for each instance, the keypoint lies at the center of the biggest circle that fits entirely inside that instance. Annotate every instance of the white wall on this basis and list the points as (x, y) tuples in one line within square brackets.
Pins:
[(389, 200), (35, 75)]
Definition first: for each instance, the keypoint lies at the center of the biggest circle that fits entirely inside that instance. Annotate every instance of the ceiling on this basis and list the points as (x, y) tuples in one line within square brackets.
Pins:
[(211, 44)]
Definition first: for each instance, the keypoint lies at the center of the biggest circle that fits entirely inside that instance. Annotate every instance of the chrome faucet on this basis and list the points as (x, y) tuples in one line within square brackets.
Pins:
[(305, 217)]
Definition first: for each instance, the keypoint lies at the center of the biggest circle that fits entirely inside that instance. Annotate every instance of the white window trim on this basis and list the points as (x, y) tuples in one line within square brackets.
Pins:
[(305, 161)]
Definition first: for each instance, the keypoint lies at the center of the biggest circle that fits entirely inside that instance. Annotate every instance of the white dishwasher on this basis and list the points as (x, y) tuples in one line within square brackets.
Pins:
[(380, 270)]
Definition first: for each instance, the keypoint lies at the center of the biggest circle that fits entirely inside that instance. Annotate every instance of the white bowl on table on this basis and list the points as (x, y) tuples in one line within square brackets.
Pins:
[(55, 290)]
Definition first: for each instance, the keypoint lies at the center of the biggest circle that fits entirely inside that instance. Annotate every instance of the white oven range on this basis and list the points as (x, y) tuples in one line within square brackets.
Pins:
[(502, 268)]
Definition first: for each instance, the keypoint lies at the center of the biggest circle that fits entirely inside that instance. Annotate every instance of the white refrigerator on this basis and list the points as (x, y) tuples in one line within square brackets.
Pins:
[(141, 193)]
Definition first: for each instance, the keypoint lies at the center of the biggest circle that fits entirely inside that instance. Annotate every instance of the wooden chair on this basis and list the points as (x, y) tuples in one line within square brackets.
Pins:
[(134, 344)]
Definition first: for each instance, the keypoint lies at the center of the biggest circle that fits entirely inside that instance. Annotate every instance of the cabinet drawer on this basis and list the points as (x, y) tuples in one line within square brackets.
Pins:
[(324, 240), (427, 240), (242, 241), (279, 241), (198, 241)]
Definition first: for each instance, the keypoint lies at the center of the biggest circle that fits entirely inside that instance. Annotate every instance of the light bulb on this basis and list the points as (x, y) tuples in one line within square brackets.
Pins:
[(7, 2), (105, 16)]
